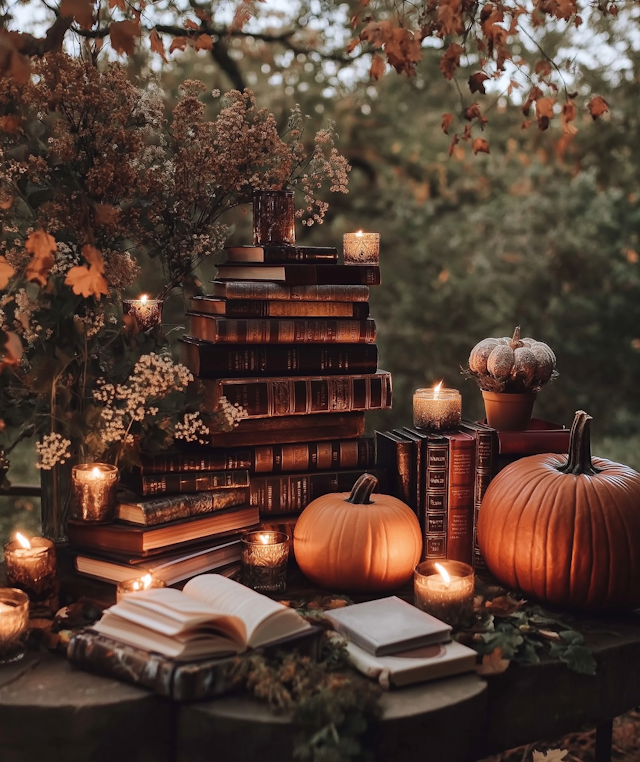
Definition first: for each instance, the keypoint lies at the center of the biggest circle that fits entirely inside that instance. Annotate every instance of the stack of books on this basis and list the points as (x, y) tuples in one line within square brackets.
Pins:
[(444, 476)]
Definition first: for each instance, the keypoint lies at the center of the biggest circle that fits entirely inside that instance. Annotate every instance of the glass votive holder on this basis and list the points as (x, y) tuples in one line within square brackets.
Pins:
[(137, 585), (93, 492), (14, 621), (147, 312), (445, 589), (361, 248), (437, 409), (264, 560), (274, 218), (31, 567)]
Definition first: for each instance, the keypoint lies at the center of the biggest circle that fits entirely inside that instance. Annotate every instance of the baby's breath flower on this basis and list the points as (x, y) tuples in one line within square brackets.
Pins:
[(52, 450)]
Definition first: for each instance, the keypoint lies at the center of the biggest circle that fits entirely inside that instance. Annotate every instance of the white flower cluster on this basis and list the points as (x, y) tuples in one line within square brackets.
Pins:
[(66, 258), (234, 413), (52, 450), (192, 429), (89, 324)]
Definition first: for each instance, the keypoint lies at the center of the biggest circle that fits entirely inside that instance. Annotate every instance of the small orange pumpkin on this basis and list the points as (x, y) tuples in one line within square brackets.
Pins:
[(565, 530), (351, 542)]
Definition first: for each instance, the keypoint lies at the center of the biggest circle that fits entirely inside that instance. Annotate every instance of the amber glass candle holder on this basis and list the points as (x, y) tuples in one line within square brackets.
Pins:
[(14, 622), (264, 560), (445, 590), (31, 567), (361, 248), (437, 409), (93, 496), (137, 585), (147, 312), (274, 218)]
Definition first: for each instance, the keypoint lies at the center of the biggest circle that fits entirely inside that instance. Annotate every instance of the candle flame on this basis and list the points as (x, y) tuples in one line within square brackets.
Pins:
[(436, 390), (23, 540), (359, 233), (264, 538), (146, 581), (444, 574), (95, 472), (144, 298)]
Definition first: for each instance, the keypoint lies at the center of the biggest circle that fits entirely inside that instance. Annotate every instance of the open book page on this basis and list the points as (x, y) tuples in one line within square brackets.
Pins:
[(265, 620)]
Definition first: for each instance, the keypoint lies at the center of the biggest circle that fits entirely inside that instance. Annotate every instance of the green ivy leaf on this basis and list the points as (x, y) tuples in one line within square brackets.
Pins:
[(578, 658)]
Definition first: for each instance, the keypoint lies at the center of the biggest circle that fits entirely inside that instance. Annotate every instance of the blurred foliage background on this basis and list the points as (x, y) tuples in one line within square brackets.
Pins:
[(541, 233)]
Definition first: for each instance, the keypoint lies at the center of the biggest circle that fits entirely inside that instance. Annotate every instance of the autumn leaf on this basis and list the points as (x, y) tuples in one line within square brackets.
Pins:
[(553, 755), (157, 46), (204, 42), (352, 46), (6, 202), (189, 24), (493, 663), (480, 145), (447, 120), (6, 272), (503, 605), (473, 112), (533, 96), (476, 82), (80, 10), (12, 62), (123, 36), (597, 107), (178, 43), (454, 142), (544, 112), (377, 66), (42, 248), (12, 350), (451, 60), (10, 124), (88, 281), (122, 4)]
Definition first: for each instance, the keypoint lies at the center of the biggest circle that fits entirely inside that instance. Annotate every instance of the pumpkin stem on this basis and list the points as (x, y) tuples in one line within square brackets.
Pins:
[(362, 489), (579, 460), (515, 341)]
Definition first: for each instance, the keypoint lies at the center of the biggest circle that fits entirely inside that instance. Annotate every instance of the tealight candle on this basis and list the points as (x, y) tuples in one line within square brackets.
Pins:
[(14, 620), (148, 312), (437, 409), (445, 590), (264, 560), (31, 567), (361, 248), (93, 495), (137, 585)]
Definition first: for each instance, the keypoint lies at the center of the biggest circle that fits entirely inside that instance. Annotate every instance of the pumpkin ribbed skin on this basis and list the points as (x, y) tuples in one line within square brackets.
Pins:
[(570, 539), (357, 547)]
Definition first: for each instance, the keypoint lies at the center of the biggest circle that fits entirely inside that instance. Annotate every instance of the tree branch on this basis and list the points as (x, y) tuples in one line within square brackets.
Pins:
[(52, 42)]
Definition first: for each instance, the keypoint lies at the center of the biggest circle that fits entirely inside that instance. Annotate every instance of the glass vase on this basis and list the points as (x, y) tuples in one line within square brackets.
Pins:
[(274, 220), (54, 501)]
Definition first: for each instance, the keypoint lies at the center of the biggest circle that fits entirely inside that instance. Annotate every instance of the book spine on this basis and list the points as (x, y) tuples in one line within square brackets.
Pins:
[(202, 460), (240, 289), (417, 467), (254, 308), (240, 331), (283, 254), (309, 456), (462, 461), (291, 493), (396, 457), (174, 507), (436, 498), (274, 397), (307, 275), (215, 360), (194, 481), (486, 443)]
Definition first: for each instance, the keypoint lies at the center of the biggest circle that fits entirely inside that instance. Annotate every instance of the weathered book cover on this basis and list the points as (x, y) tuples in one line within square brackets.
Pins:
[(284, 396), (396, 454), (273, 254), (291, 493), (540, 437), (436, 495), (303, 275), (273, 458), (462, 462), (189, 481), (264, 308), (161, 510), (331, 292), (422, 437), (263, 331), (417, 488)]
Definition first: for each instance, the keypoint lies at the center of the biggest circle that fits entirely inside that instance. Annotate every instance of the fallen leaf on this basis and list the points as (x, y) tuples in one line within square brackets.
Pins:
[(597, 106), (493, 663), (447, 119), (476, 82), (377, 66), (6, 272), (88, 281), (503, 605), (553, 755), (123, 35), (157, 45), (80, 10), (42, 248)]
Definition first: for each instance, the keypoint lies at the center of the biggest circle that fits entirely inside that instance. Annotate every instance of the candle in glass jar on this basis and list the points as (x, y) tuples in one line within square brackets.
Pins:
[(31, 567), (361, 248), (445, 590), (264, 560), (148, 312), (137, 585), (14, 620), (93, 495), (437, 409)]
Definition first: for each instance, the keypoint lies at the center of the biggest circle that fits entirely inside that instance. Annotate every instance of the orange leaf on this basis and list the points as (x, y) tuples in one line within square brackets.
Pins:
[(480, 145), (544, 112), (80, 10), (122, 4), (157, 46), (533, 96), (597, 106), (454, 142), (6, 202), (447, 120), (10, 124), (123, 36), (204, 42), (42, 248), (189, 24), (493, 663), (451, 59), (178, 43), (476, 82), (472, 112), (88, 281), (352, 46), (377, 66), (6, 272), (12, 350)]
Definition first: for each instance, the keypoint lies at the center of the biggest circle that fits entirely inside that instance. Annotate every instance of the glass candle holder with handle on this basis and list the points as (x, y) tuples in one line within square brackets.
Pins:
[(93, 495), (264, 560), (14, 622)]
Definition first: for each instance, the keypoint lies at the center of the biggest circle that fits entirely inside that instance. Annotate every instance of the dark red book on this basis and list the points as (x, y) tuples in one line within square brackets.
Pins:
[(462, 462), (265, 308), (540, 437), (300, 275), (330, 292)]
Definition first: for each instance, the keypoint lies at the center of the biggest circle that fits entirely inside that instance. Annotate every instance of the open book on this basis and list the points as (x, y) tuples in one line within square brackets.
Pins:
[(212, 616)]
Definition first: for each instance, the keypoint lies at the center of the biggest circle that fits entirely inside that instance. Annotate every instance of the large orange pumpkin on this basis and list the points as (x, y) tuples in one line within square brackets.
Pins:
[(358, 542), (565, 530)]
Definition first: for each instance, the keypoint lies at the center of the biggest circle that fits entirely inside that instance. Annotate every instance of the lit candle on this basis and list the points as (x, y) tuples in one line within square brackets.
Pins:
[(93, 492), (137, 585), (148, 312), (437, 409), (445, 590), (31, 567), (361, 248), (264, 560), (14, 620)]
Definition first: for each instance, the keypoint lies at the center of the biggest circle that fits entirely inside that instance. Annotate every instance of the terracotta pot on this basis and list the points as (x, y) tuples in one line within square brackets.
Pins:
[(508, 411)]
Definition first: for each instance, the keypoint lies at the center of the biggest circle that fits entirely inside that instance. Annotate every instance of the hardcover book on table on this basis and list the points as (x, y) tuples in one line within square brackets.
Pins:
[(282, 254), (246, 289), (303, 274), (264, 308)]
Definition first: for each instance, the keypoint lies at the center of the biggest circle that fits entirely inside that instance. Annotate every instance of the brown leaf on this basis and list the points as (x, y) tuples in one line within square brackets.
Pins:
[(204, 42), (189, 24), (6, 272), (472, 112), (157, 45), (122, 4), (480, 145), (377, 66), (88, 281), (10, 124), (447, 120), (42, 248), (178, 43), (454, 142), (476, 82), (597, 107), (123, 35), (544, 112), (6, 202), (451, 59), (533, 96), (80, 10), (493, 663), (503, 605), (352, 46), (12, 350)]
